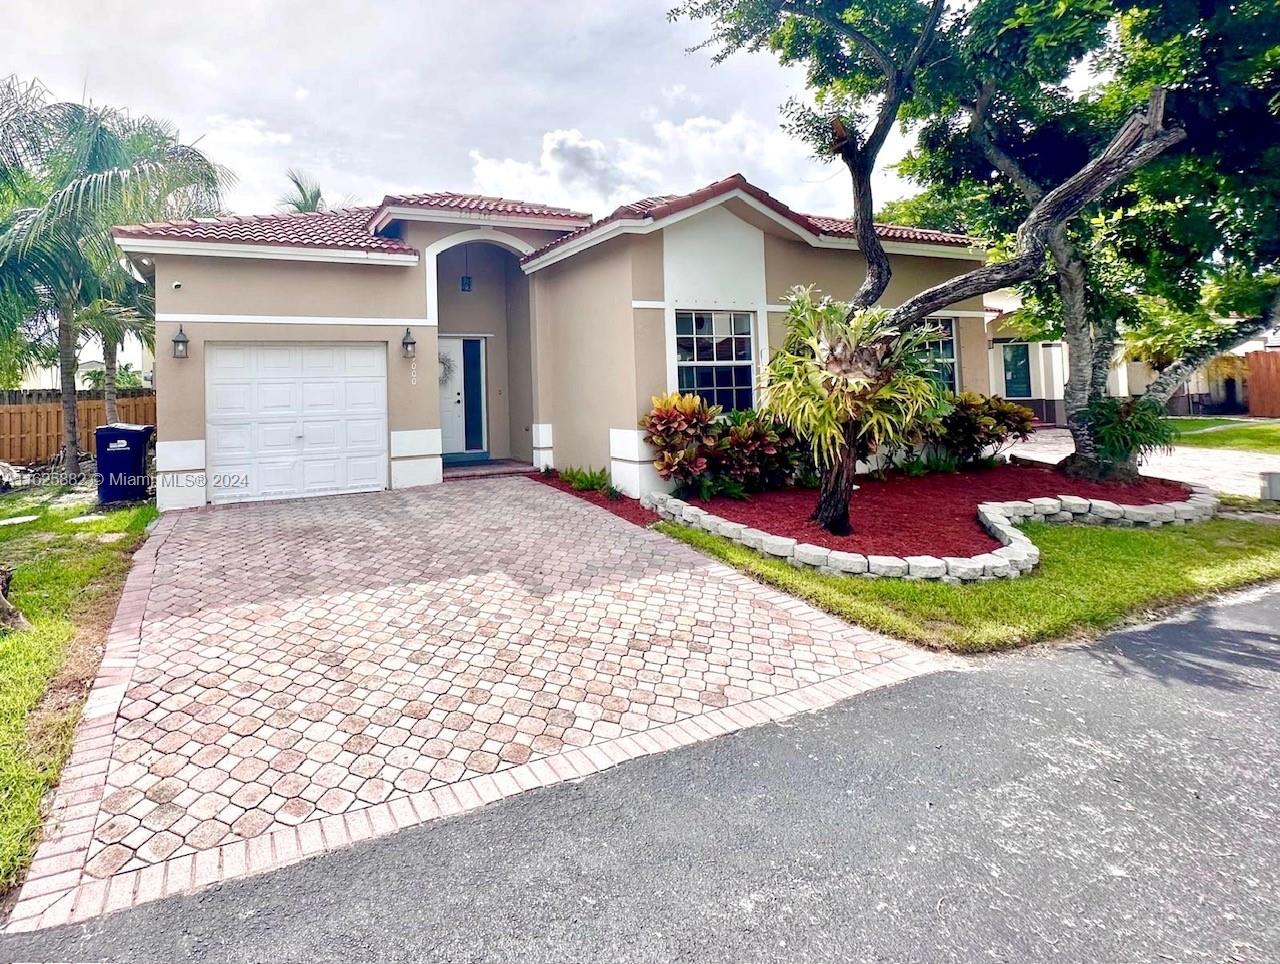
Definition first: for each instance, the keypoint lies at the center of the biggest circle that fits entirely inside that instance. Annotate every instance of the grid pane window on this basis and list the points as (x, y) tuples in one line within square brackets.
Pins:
[(943, 350), (714, 357)]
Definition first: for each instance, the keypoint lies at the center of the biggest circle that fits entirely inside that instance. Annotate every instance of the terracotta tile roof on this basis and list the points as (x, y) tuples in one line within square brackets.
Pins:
[(343, 229), (482, 204), (842, 227), (654, 208)]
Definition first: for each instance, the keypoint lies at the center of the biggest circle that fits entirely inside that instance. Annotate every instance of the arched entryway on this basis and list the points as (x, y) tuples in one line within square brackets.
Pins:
[(480, 303)]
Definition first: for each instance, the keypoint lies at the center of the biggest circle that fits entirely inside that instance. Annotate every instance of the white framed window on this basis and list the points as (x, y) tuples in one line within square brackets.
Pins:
[(943, 350), (715, 357)]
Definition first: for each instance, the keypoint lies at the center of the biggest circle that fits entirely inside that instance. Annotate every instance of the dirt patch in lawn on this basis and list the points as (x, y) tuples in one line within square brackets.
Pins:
[(623, 508), (933, 514)]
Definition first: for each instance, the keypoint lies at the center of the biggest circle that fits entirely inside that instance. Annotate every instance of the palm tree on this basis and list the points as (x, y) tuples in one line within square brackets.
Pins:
[(112, 324), (68, 172), (852, 384), (305, 197)]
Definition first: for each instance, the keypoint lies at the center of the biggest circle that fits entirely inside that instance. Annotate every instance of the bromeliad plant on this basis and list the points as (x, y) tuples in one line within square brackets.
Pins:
[(851, 382)]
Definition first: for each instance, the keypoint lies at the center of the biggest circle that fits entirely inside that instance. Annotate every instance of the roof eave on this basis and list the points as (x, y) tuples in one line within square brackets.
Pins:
[(410, 212), (133, 244)]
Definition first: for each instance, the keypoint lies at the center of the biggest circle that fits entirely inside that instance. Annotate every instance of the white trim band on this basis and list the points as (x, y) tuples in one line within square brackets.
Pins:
[(178, 316), (269, 252)]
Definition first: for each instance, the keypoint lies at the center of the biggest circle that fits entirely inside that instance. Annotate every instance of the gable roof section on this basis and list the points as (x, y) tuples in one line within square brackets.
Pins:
[(447, 205), (644, 214), (350, 234), (340, 230)]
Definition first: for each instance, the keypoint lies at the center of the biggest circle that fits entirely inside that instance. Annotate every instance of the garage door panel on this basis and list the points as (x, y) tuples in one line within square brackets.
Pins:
[(368, 361), (322, 360), (232, 482), (230, 443), (366, 472), (295, 420), (277, 439), (233, 398), (322, 397), (365, 395), (366, 434), (276, 361), (277, 398), (275, 477), (323, 436), (323, 475), (230, 361)]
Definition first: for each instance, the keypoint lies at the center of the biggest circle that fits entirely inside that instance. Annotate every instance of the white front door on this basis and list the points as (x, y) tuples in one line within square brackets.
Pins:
[(295, 419), (462, 404), (453, 409)]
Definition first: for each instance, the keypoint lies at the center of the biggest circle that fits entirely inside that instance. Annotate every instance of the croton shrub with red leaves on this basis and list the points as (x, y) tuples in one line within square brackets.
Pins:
[(707, 453)]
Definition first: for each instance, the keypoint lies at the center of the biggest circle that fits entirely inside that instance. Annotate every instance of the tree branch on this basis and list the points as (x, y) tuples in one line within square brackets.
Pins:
[(1001, 160), (1169, 380), (873, 49), (1141, 139)]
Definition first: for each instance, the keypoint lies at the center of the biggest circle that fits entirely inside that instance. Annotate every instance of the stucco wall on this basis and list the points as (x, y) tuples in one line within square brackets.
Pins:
[(519, 361), (839, 272), (243, 286), (585, 317)]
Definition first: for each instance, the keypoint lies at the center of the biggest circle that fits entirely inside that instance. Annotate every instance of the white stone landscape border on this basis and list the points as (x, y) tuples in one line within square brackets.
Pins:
[(1017, 553)]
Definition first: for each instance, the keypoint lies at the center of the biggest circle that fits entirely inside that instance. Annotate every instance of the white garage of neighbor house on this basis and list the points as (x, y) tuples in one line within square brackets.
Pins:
[(372, 347)]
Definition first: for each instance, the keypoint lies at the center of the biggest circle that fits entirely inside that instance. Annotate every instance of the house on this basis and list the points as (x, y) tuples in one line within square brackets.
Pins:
[(1034, 373), (372, 347), (133, 353)]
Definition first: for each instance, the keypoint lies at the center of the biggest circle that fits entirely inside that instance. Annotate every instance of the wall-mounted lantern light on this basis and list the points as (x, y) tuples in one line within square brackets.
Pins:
[(409, 345), (180, 341)]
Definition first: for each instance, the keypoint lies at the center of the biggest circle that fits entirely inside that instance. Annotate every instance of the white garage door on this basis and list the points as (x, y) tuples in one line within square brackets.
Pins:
[(289, 420)]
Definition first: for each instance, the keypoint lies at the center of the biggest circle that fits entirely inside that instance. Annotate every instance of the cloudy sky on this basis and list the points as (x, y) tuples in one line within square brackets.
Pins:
[(588, 103)]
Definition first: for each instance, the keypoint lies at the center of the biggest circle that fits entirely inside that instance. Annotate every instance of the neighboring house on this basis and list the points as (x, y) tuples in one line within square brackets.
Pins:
[(1034, 373), (135, 354), (540, 335)]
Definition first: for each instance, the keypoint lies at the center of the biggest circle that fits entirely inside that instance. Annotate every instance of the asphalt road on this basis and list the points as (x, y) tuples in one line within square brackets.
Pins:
[(1112, 802)]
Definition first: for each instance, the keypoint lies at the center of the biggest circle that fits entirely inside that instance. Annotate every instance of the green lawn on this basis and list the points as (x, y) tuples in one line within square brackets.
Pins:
[(1183, 425), (66, 580), (1261, 437), (1089, 577)]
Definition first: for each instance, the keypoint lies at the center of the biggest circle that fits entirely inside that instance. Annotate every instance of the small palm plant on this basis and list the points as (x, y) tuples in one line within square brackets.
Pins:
[(851, 383)]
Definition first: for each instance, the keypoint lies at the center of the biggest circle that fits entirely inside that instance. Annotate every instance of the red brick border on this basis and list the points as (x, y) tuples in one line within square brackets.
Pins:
[(57, 890)]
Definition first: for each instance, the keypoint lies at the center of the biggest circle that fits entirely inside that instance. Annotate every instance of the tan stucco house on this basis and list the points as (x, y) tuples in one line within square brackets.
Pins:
[(538, 334)]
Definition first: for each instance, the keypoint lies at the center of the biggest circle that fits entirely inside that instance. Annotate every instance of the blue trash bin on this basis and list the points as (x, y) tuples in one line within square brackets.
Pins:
[(122, 462)]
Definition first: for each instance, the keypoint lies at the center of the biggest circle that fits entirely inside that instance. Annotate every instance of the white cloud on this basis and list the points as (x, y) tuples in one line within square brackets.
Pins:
[(674, 157)]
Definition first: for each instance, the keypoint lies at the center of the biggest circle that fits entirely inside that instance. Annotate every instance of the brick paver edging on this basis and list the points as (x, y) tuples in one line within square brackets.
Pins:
[(1017, 553), (58, 890)]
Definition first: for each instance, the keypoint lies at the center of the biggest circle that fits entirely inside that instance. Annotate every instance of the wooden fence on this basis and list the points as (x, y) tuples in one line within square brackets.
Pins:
[(31, 422), (1263, 383)]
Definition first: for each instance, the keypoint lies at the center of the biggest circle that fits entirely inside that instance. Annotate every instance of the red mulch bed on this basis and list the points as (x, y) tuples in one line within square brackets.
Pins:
[(933, 514), (623, 508)]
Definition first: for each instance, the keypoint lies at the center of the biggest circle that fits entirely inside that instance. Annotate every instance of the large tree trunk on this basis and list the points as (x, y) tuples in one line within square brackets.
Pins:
[(67, 363), (879, 271), (836, 488), (109, 349)]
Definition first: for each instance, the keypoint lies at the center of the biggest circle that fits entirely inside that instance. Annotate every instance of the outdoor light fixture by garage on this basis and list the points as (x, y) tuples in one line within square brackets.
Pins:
[(180, 343), (409, 345)]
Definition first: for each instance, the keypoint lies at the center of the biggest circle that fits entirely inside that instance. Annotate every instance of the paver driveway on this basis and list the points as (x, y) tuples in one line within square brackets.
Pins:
[(289, 677)]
